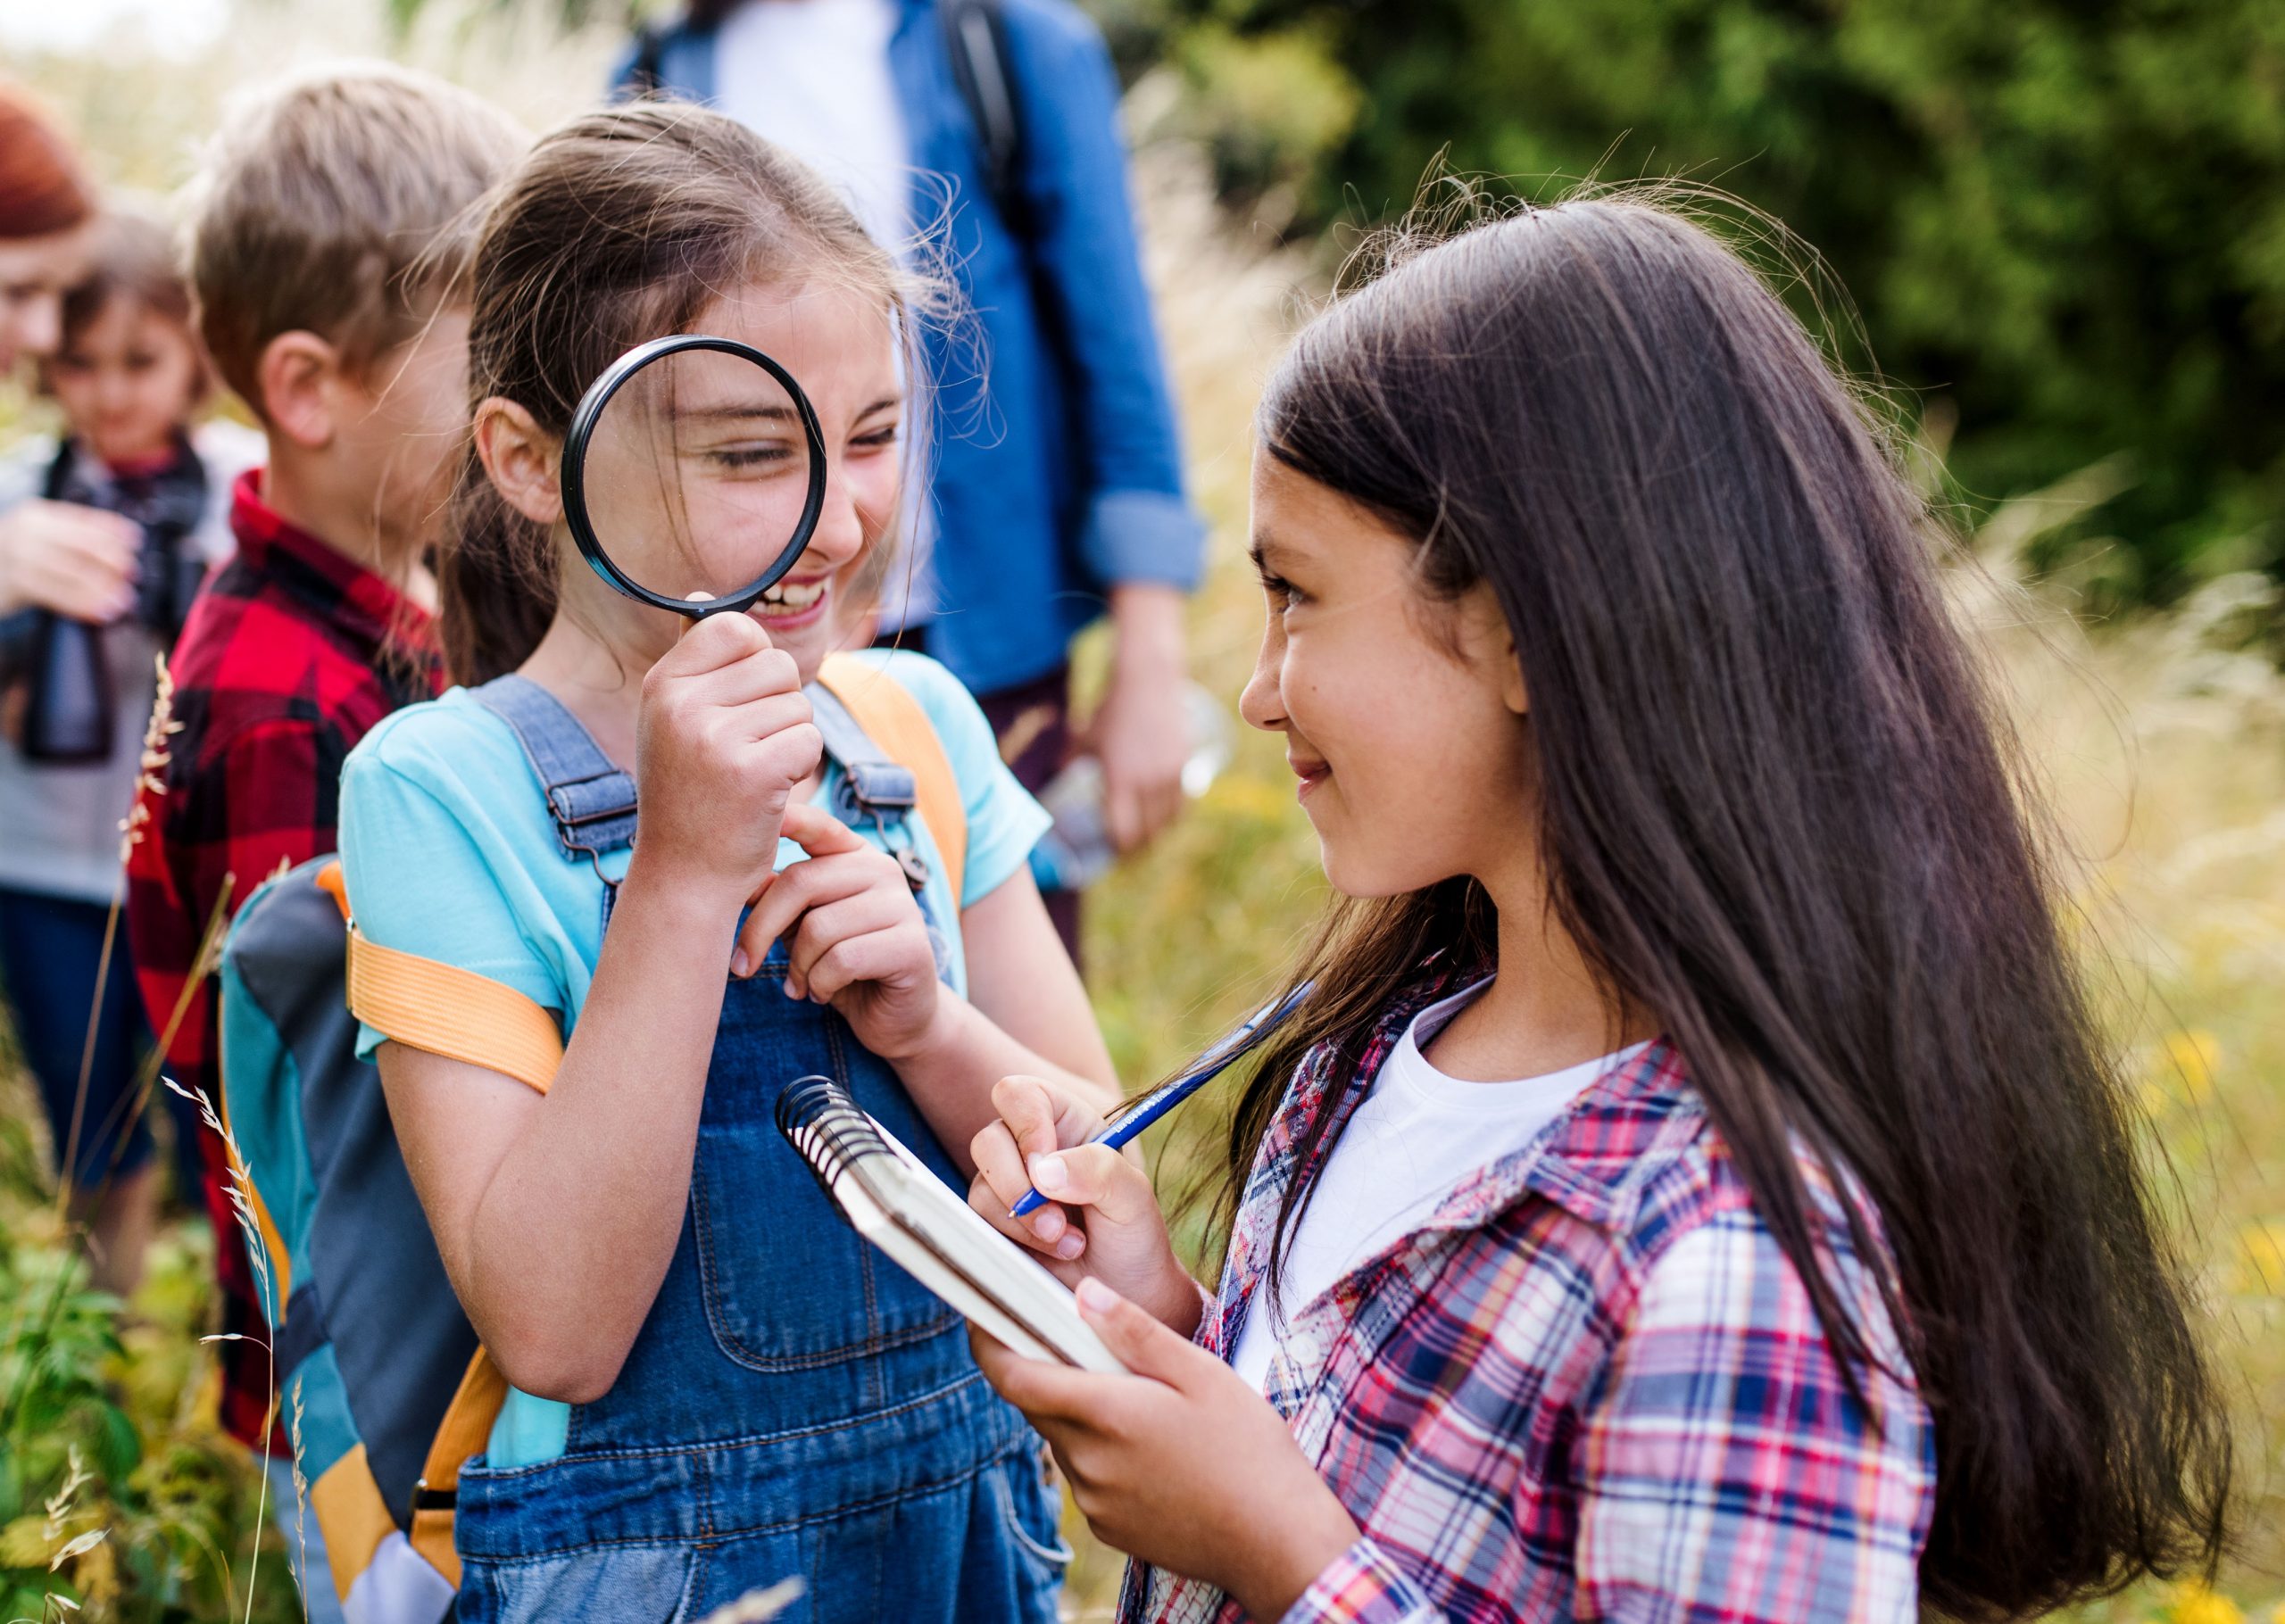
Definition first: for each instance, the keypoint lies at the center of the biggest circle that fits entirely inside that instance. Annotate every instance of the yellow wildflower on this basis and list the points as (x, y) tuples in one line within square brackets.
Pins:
[(2261, 1264), (2194, 1604), (2193, 1056)]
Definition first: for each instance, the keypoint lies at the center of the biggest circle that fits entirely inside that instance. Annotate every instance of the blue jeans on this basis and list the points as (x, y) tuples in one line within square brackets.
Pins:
[(51, 956)]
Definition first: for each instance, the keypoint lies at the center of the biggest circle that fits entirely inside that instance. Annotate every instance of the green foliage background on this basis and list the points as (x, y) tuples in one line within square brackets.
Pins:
[(2063, 220)]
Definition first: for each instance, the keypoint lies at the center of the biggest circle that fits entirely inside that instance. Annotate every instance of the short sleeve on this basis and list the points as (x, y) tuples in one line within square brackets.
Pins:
[(1004, 822), (1725, 1469), (418, 881)]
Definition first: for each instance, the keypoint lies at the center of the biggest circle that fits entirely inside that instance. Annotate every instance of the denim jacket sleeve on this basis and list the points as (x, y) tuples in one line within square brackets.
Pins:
[(1086, 267)]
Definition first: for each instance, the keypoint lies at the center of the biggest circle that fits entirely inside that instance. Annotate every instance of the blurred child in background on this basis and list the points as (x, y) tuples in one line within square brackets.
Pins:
[(139, 500), (46, 207), (327, 238)]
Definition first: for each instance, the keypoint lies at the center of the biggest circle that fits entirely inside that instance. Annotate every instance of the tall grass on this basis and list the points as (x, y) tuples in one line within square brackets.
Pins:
[(2157, 748)]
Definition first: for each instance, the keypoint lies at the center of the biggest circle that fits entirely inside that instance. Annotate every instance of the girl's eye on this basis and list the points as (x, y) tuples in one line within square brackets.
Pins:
[(748, 459), (880, 436), (1282, 593)]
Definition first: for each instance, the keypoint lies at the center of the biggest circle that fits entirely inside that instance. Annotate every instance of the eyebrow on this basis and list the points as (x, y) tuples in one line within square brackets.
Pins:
[(773, 412), (1261, 548), (732, 413)]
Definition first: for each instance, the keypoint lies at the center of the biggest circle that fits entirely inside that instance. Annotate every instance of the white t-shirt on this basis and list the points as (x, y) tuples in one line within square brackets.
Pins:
[(813, 77), (1413, 1140)]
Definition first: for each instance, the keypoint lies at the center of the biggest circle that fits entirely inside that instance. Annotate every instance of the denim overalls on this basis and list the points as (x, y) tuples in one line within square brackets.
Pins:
[(795, 1404)]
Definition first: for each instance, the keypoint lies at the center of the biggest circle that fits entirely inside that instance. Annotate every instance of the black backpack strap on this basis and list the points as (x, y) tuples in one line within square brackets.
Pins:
[(647, 73), (54, 482), (975, 38)]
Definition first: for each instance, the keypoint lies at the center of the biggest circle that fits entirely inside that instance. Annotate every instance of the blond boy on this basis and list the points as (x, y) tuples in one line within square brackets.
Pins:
[(331, 226)]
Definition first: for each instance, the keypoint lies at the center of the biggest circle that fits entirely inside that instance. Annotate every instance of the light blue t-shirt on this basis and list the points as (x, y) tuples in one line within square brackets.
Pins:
[(449, 853)]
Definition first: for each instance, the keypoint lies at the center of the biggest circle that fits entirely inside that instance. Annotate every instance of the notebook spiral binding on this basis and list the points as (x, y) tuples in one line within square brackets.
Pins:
[(826, 1128)]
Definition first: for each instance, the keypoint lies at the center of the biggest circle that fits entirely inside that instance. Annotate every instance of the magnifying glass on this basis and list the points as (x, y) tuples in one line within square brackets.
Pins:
[(693, 472)]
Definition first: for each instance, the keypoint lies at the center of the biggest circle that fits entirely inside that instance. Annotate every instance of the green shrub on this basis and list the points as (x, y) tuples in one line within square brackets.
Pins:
[(2063, 219)]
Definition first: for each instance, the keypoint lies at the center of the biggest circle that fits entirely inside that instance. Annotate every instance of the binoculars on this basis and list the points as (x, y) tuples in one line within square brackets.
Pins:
[(70, 712)]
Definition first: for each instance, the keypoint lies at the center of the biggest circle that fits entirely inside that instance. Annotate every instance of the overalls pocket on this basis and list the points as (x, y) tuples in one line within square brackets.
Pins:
[(787, 1284), (631, 1584), (1030, 1509)]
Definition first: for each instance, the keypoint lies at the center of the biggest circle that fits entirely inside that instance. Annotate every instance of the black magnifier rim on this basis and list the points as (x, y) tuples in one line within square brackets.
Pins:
[(574, 481)]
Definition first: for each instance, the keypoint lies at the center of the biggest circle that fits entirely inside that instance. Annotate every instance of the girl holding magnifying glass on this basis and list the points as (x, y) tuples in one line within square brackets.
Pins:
[(713, 1386)]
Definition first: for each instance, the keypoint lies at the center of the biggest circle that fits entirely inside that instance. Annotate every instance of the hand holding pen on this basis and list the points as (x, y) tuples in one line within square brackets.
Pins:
[(1138, 1117), (1094, 1215)]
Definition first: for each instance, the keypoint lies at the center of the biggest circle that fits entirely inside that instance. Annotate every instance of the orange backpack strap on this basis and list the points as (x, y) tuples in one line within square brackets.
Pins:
[(446, 1010), (894, 721), (455, 1013), (463, 1434)]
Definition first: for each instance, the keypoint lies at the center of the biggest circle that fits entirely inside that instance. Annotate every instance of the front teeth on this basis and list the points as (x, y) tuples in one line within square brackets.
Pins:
[(785, 594)]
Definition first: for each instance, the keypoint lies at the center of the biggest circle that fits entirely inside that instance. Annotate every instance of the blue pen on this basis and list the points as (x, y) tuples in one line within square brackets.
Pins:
[(1137, 1118)]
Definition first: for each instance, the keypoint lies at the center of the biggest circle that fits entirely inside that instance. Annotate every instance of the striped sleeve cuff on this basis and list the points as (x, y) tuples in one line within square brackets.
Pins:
[(1362, 1586)]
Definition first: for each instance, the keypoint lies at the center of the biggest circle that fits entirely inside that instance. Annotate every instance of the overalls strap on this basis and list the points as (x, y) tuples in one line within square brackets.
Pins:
[(592, 801), (873, 786)]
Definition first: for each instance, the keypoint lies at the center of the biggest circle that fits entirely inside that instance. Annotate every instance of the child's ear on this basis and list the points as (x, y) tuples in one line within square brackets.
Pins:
[(298, 377), (1512, 692), (520, 457)]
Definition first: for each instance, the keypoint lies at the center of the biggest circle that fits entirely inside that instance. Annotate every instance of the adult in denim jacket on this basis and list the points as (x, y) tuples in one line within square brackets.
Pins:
[(1058, 494)]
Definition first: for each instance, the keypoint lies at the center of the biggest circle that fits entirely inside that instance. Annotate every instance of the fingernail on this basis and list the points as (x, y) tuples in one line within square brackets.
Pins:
[(1070, 1246), (1048, 1173), (1093, 1294), (740, 964), (789, 988)]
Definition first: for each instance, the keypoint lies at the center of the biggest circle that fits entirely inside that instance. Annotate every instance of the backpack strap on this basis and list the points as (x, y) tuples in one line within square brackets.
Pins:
[(892, 721), (975, 39), (646, 72), (444, 1009), (460, 1437)]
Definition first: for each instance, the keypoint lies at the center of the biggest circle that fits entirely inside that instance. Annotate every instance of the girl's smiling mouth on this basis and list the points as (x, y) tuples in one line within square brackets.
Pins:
[(1310, 771), (792, 603)]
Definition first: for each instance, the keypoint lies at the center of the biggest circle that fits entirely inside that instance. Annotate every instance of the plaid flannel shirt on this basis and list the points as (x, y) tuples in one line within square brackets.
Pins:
[(1590, 1386), (290, 653)]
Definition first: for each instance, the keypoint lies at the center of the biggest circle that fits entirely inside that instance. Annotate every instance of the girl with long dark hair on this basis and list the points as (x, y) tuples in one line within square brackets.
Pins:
[(1694, 1186)]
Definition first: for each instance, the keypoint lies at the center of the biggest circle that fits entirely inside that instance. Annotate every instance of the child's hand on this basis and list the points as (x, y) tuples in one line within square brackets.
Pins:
[(1179, 1464), (859, 942), (723, 738), (80, 562), (1102, 1221)]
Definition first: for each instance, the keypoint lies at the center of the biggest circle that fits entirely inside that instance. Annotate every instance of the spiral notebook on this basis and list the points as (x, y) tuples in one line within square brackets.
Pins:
[(894, 1201)]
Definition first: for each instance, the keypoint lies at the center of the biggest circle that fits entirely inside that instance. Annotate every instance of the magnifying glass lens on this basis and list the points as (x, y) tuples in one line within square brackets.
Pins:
[(697, 475)]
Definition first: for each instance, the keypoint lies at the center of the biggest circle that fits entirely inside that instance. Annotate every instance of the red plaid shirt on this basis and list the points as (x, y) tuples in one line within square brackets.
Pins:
[(289, 655), (1590, 1386)]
